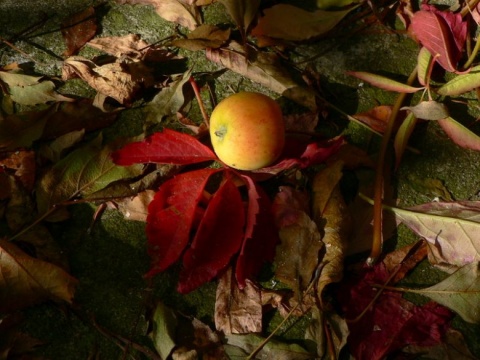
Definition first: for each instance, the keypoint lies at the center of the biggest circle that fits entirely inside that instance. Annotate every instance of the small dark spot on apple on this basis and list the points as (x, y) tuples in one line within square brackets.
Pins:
[(221, 132)]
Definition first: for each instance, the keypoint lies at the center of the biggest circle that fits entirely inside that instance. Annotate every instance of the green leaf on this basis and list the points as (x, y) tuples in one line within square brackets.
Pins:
[(461, 83), (424, 63), (402, 136), (326, 4), (80, 174), (164, 327), (428, 110), (459, 134), (383, 82), (459, 292)]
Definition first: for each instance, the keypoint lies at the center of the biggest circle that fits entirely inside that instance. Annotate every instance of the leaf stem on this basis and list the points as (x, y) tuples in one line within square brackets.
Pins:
[(377, 243), (199, 100)]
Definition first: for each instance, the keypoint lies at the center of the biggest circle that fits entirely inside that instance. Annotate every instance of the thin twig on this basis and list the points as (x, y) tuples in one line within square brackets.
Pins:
[(199, 100)]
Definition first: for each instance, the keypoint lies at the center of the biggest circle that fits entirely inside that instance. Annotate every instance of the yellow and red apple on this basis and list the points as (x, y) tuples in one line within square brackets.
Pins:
[(247, 131)]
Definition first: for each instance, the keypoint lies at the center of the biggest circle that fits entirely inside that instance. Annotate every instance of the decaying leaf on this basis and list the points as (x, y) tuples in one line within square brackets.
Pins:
[(376, 118), (204, 36), (243, 12), (288, 22), (265, 69), (300, 241), (119, 80), (136, 208), (27, 281), (428, 110), (78, 29), (22, 162), (237, 311)]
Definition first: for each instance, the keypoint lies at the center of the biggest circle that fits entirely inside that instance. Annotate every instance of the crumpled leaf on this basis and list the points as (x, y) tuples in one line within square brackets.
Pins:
[(171, 216), (136, 208), (178, 11), (204, 36), (218, 238), (330, 213), (31, 90), (23, 163), (243, 12), (428, 110), (237, 311), (459, 292), (298, 253), (459, 134), (384, 82), (167, 147), (78, 29), (240, 346), (442, 33), (26, 281), (119, 80), (81, 173), (288, 22), (265, 69), (261, 236), (451, 229)]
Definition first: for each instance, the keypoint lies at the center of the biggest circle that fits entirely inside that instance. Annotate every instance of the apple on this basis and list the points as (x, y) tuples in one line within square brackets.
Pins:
[(247, 131)]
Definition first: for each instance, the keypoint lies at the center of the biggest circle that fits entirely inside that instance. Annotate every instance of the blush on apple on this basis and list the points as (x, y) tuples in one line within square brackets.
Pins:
[(247, 131)]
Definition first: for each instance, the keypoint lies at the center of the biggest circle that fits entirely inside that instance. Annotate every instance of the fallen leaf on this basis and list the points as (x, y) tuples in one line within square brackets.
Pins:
[(130, 45), (243, 12), (237, 311), (288, 22), (298, 253), (171, 216), (219, 236), (136, 208), (459, 292), (265, 69), (80, 174), (449, 227), (429, 187), (164, 329), (23, 163), (167, 147), (56, 149), (27, 281), (78, 29), (376, 118), (459, 134), (204, 36)]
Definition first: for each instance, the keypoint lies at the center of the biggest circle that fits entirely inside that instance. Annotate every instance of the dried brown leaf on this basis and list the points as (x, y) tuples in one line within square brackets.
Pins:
[(136, 208), (204, 36), (265, 69), (78, 29), (237, 311)]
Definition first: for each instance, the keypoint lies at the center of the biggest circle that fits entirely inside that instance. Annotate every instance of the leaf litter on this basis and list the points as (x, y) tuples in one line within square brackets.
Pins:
[(48, 163)]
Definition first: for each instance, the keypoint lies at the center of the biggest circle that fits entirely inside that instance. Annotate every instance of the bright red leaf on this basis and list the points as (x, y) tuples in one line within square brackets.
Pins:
[(443, 33), (171, 216), (218, 238), (167, 147), (261, 235)]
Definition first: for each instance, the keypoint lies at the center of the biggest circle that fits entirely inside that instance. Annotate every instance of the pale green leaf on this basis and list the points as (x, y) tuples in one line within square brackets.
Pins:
[(462, 83), (459, 292), (384, 82), (288, 22), (80, 174), (164, 327), (424, 64), (326, 4), (459, 134), (402, 136), (428, 110)]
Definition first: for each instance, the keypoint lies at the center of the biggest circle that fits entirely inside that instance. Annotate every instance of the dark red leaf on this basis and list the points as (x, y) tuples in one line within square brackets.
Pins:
[(442, 33), (218, 238), (391, 322), (171, 215), (261, 235), (78, 30), (167, 147)]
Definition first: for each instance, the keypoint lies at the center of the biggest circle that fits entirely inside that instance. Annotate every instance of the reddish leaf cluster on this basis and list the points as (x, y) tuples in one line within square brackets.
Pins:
[(207, 229)]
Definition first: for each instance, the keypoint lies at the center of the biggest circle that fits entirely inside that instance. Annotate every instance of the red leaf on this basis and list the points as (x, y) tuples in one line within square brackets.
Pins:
[(167, 147), (171, 215), (392, 322), (218, 238), (442, 33), (261, 235)]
